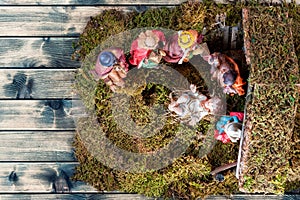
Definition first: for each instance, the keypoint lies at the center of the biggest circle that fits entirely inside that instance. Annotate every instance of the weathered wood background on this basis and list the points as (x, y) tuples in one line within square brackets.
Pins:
[(36, 73)]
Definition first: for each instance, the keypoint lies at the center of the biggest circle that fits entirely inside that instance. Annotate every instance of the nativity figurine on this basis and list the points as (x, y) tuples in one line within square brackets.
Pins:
[(183, 45), (225, 70), (229, 128), (111, 67), (147, 50), (191, 106)]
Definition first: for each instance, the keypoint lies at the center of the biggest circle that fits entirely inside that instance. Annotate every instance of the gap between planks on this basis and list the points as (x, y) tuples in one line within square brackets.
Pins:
[(102, 196)]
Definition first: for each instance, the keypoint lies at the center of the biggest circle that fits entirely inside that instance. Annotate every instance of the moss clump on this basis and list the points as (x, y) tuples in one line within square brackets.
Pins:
[(293, 179), (294, 13)]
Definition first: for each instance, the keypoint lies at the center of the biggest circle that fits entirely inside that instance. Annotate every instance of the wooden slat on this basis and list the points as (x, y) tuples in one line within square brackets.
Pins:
[(37, 177), (36, 146), (89, 2), (43, 196), (41, 52), (36, 84), (47, 20), (74, 197), (36, 115)]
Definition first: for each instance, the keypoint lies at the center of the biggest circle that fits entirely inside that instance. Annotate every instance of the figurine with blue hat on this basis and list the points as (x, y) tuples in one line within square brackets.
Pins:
[(111, 66)]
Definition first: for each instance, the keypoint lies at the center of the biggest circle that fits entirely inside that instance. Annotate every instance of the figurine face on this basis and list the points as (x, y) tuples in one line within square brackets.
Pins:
[(229, 77)]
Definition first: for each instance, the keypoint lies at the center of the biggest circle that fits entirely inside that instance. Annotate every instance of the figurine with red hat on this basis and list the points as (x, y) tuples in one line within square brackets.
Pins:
[(111, 66)]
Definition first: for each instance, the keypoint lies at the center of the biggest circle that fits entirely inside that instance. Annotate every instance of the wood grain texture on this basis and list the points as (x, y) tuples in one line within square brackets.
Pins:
[(44, 52), (38, 177), (36, 146), (36, 84), (48, 20), (44, 196), (102, 196), (89, 2), (36, 115)]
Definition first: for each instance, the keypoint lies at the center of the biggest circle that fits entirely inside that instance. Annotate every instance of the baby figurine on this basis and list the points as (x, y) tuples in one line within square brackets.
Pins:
[(182, 46), (111, 67), (229, 128), (191, 106), (225, 70), (146, 51)]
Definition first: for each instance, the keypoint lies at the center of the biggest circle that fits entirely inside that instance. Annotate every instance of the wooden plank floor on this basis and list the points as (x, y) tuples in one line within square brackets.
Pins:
[(36, 99)]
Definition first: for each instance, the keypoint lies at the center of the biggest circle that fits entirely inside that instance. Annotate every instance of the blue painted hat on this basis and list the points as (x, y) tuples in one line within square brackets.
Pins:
[(107, 59)]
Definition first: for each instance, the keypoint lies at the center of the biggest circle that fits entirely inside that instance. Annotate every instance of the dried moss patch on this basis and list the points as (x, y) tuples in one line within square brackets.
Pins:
[(268, 148), (272, 46), (269, 128), (272, 160)]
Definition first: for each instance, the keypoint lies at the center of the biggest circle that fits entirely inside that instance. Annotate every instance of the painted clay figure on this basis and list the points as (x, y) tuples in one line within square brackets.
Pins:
[(191, 106), (229, 128), (225, 70), (146, 51), (111, 67), (183, 45)]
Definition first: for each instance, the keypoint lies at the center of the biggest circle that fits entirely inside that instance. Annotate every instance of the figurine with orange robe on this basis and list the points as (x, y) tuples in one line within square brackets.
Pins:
[(225, 70)]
